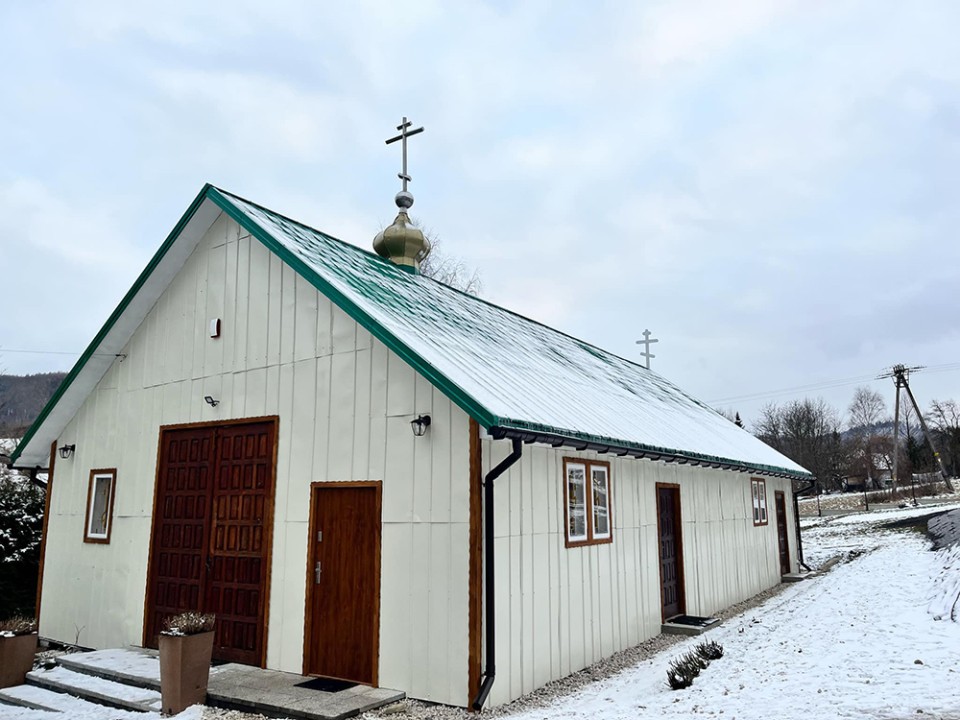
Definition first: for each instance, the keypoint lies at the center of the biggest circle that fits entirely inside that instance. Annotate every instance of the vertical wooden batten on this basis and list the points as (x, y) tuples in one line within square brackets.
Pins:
[(476, 563), (46, 523)]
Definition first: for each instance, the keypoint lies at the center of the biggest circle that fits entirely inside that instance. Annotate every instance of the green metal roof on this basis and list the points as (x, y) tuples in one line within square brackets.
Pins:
[(513, 375)]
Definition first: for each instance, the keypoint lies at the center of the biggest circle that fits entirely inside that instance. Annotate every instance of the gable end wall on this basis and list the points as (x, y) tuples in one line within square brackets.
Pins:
[(344, 403)]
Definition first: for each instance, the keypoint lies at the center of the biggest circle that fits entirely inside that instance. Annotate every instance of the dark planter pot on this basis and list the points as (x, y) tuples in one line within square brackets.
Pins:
[(184, 670), (16, 658)]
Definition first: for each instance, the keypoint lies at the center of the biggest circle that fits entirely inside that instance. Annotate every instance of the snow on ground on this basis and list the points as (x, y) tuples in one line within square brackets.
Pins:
[(857, 642), (860, 641), (94, 712)]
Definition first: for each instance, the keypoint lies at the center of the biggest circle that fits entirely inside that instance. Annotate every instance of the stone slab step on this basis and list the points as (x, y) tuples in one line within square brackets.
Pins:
[(38, 698), (131, 666), (96, 689), (279, 694)]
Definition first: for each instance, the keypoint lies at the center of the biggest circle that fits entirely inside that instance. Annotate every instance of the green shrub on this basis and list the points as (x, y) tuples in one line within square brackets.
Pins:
[(709, 650)]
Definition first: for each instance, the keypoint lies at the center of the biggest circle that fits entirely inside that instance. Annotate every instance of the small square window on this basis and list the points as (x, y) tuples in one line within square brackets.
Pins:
[(758, 489), (100, 494), (587, 495)]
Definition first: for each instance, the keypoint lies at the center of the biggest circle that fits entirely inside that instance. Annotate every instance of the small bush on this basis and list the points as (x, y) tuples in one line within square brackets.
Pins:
[(189, 623), (709, 650), (18, 625), (684, 669)]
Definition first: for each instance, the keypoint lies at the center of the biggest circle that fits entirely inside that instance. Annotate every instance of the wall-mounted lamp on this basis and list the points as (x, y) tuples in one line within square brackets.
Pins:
[(420, 424), (208, 399), (67, 450)]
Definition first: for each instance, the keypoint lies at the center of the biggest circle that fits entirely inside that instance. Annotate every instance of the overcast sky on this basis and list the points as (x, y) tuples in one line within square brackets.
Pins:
[(770, 187)]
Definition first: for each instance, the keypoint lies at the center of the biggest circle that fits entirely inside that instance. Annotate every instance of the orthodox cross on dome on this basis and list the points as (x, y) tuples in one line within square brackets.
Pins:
[(647, 342), (404, 134)]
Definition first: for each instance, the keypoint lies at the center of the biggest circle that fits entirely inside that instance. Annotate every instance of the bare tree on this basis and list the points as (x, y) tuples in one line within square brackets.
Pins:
[(808, 432), (869, 440), (944, 417), (449, 270)]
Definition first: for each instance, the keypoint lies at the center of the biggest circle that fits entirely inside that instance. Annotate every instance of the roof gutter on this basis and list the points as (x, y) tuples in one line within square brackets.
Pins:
[(490, 671), (560, 440)]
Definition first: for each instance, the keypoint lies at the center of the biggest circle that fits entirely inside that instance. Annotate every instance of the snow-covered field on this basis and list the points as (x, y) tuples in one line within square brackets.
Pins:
[(860, 641)]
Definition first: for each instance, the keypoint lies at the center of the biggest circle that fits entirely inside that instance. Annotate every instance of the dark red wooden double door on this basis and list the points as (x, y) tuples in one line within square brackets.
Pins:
[(212, 533)]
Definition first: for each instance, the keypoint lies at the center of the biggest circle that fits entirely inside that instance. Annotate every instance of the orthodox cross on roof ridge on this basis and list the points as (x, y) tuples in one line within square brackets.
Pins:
[(647, 342), (404, 134)]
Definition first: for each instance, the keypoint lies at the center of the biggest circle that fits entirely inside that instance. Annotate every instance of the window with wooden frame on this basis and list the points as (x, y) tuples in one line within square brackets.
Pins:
[(759, 490), (586, 493), (99, 520)]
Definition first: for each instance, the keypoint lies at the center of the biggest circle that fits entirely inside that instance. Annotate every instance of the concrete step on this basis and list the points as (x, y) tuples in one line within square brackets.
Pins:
[(139, 667), (38, 698), (96, 689)]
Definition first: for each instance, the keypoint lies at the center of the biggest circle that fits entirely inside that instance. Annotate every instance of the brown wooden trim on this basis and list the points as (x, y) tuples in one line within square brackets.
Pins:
[(113, 494), (475, 562), (588, 489), (678, 534), (307, 620), (275, 419), (759, 521), (46, 525)]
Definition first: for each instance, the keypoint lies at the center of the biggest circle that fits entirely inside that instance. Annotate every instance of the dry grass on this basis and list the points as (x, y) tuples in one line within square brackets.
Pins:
[(18, 625), (189, 623)]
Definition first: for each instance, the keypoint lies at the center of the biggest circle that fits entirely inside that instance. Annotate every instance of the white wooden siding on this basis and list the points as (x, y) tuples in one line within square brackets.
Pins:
[(560, 610), (344, 403)]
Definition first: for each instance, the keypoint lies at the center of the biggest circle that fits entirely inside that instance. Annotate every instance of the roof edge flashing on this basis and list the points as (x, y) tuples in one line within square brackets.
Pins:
[(621, 448)]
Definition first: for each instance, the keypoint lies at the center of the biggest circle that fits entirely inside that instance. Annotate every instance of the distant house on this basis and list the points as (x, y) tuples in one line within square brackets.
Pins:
[(329, 450)]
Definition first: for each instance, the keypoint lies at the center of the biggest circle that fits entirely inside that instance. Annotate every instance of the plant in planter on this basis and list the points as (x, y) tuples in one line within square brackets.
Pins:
[(186, 647), (18, 645)]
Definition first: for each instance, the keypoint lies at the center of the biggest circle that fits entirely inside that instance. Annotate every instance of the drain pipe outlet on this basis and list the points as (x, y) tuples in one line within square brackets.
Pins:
[(490, 671)]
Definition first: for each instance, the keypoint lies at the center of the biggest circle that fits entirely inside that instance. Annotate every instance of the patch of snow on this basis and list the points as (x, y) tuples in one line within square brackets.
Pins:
[(64, 678)]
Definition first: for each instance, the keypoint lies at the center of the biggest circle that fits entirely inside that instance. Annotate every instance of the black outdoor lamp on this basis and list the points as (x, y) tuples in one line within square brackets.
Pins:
[(420, 424)]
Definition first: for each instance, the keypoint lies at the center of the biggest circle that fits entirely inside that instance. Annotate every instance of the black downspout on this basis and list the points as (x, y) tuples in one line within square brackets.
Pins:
[(490, 672), (796, 517)]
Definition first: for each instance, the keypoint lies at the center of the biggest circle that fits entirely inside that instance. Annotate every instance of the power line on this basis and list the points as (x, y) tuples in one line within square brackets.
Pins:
[(44, 352), (824, 385)]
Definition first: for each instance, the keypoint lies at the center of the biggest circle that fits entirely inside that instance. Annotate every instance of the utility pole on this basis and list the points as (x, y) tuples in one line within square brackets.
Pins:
[(896, 434), (901, 376)]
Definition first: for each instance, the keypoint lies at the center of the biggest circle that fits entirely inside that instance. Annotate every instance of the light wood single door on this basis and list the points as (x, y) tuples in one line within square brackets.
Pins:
[(342, 626)]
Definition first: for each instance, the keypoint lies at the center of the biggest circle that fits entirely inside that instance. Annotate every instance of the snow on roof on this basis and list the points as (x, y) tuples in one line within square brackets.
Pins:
[(511, 374)]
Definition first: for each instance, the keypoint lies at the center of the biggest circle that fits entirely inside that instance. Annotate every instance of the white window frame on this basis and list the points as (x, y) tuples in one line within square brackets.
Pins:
[(591, 536), (758, 492), (97, 477)]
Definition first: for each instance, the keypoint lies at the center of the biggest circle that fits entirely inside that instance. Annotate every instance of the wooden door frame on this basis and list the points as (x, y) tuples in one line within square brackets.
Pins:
[(377, 485), (678, 533), (268, 519), (781, 496)]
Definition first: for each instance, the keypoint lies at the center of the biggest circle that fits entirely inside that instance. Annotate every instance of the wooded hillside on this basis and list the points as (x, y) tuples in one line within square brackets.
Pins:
[(22, 397)]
